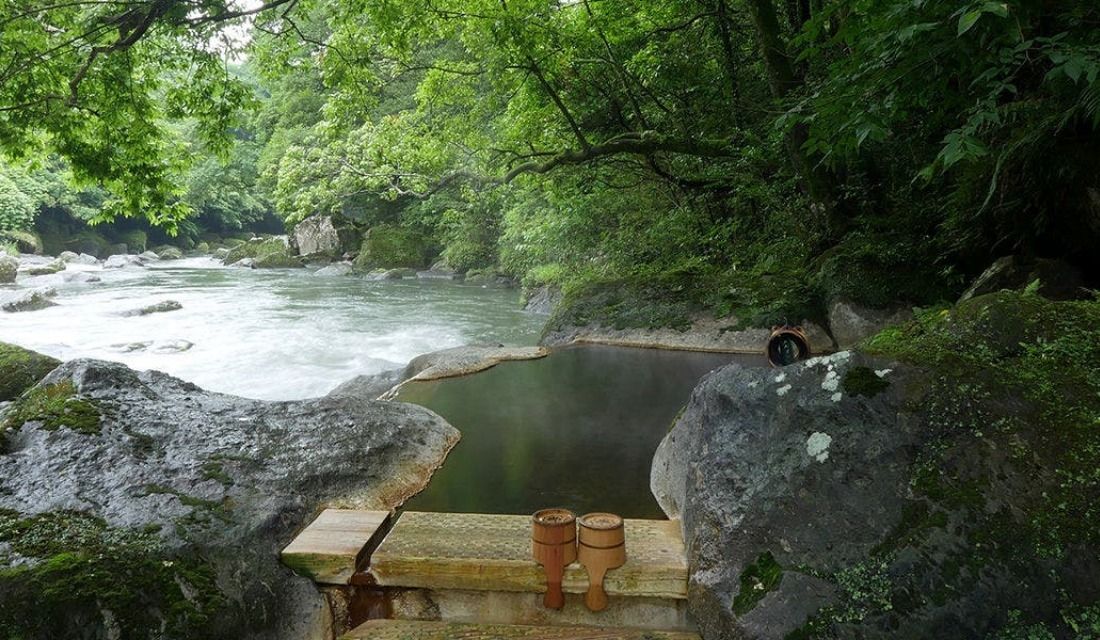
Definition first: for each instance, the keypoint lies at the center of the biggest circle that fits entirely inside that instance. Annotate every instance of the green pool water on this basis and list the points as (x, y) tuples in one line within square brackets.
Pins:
[(576, 429)]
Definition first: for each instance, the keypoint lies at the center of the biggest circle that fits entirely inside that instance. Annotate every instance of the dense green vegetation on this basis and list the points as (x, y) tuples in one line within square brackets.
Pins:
[(772, 156)]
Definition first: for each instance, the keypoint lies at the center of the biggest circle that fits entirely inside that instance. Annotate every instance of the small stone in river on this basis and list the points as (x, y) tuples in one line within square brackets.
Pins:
[(30, 300), (128, 347), (80, 276), (160, 307), (172, 346)]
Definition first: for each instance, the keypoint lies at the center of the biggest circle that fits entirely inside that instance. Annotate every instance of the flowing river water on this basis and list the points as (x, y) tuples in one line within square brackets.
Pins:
[(577, 428)]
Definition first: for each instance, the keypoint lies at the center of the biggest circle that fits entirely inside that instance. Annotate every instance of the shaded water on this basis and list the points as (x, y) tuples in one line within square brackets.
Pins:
[(273, 334), (576, 429)]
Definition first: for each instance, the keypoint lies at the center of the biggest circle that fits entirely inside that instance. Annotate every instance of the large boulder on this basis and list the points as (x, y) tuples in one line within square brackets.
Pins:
[(334, 269), (21, 369), (851, 323), (9, 267), (168, 252), (318, 236), (853, 496), (136, 505), (388, 247), (1057, 279)]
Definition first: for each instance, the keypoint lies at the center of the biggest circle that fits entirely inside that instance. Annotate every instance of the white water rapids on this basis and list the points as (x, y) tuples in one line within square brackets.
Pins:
[(277, 334)]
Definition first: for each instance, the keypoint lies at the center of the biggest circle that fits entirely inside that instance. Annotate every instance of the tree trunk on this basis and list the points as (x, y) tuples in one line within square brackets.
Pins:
[(782, 80)]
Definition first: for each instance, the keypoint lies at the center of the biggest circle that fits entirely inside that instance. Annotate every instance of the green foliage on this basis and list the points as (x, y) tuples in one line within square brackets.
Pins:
[(16, 208)]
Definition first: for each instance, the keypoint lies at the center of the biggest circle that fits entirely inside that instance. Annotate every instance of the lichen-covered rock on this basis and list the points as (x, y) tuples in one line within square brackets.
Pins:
[(28, 300), (135, 501), (20, 369), (9, 267), (855, 496), (850, 322)]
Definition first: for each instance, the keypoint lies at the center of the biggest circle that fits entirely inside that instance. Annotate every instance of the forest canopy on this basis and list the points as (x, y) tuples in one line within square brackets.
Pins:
[(883, 150)]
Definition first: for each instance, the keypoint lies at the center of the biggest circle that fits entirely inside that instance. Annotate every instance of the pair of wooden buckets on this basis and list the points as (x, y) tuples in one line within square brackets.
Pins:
[(555, 545)]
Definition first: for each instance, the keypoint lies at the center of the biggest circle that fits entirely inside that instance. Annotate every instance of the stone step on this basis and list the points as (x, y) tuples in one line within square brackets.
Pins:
[(417, 630), (335, 545), (480, 552)]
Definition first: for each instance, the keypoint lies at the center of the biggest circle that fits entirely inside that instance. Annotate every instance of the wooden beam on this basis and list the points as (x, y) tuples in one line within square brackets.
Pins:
[(334, 545), (482, 552), (419, 630)]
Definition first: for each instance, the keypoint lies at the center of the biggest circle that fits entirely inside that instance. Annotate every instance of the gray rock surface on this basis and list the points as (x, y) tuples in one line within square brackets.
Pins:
[(81, 276), (851, 323), (543, 300), (369, 386), (38, 269), (1058, 280), (317, 235), (148, 256), (705, 334), (783, 462), (28, 300), (224, 482), (334, 269), (119, 261), (244, 263), (9, 266), (460, 361)]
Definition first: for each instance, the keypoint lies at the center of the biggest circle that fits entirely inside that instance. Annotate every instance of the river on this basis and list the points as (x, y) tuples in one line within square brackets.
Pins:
[(278, 334)]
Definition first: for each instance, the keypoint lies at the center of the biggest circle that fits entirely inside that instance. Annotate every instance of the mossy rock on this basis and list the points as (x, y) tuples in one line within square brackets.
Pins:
[(627, 304), (89, 242), (135, 240), (277, 261), (25, 241), (21, 369), (75, 568), (258, 248), (388, 247), (55, 406)]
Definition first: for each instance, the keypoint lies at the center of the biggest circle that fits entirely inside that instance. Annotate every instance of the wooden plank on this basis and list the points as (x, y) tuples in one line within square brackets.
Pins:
[(493, 553), (418, 630), (330, 549)]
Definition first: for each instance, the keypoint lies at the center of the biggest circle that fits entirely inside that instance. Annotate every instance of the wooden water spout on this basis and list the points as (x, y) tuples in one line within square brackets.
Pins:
[(554, 546), (602, 547)]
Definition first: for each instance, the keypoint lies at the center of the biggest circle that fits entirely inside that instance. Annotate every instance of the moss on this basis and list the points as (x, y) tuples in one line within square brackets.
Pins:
[(55, 406), (214, 471), (862, 381), (79, 566), (25, 241), (391, 247), (21, 369), (757, 580), (628, 304), (259, 249), (278, 261)]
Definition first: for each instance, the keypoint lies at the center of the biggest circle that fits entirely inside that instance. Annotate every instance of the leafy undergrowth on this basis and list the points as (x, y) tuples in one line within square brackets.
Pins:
[(64, 572), (1004, 506)]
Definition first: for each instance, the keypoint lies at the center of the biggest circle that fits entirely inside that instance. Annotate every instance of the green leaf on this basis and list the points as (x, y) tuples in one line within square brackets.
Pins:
[(968, 20)]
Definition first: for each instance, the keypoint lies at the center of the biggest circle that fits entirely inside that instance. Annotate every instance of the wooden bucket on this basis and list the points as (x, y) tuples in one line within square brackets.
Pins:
[(601, 547), (554, 545)]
